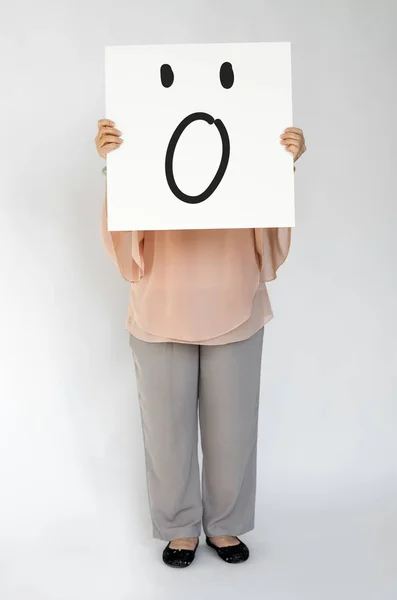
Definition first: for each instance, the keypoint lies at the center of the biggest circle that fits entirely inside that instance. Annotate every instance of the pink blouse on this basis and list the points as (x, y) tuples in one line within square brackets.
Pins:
[(197, 286)]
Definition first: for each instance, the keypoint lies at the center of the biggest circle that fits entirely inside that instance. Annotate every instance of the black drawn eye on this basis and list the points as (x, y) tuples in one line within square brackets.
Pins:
[(167, 75), (226, 75)]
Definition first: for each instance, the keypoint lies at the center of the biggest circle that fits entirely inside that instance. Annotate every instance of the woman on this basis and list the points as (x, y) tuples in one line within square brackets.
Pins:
[(196, 317)]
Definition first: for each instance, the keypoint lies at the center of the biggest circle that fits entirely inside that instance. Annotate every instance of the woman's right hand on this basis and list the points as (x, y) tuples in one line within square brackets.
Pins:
[(108, 137)]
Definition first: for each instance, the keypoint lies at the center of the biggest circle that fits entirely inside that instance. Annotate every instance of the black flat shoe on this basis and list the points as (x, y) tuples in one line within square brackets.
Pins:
[(178, 558), (231, 554)]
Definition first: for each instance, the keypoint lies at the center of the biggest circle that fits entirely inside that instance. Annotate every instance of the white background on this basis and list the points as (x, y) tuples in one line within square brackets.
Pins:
[(73, 510), (257, 189)]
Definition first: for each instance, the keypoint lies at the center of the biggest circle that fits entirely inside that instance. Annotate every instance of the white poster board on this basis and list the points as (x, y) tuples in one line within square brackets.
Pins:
[(201, 125)]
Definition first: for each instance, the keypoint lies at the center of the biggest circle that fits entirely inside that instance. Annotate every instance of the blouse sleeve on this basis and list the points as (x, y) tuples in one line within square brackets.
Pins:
[(272, 246), (125, 248)]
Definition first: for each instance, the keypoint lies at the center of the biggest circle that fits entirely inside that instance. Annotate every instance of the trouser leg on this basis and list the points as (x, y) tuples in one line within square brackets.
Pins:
[(167, 380), (228, 406)]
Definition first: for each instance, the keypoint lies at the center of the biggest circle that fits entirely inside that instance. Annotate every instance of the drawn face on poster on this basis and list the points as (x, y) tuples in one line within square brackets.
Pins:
[(226, 77), (201, 127)]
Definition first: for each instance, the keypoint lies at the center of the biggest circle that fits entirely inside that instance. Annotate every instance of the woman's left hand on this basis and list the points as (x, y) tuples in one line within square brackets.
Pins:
[(293, 140)]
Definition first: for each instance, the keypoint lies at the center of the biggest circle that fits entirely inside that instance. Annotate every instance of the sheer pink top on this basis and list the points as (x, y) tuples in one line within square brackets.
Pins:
[(197, 286)]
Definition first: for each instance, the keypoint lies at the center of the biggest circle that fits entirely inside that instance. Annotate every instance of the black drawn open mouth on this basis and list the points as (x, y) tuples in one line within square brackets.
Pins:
[(227, 79), (169, 158)]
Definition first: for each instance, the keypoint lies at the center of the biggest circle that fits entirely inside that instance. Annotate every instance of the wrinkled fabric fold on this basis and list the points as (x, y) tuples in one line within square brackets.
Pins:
[(125, 248), (272, 247)]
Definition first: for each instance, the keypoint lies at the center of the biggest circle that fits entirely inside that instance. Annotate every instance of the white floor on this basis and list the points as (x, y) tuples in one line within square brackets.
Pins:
[(317, 554)]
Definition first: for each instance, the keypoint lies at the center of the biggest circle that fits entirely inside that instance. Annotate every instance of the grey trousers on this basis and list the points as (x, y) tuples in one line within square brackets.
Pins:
[(220, 384)]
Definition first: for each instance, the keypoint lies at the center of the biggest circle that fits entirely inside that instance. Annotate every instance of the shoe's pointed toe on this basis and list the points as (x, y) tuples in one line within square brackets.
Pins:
[(179, 559), (231, 554)]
